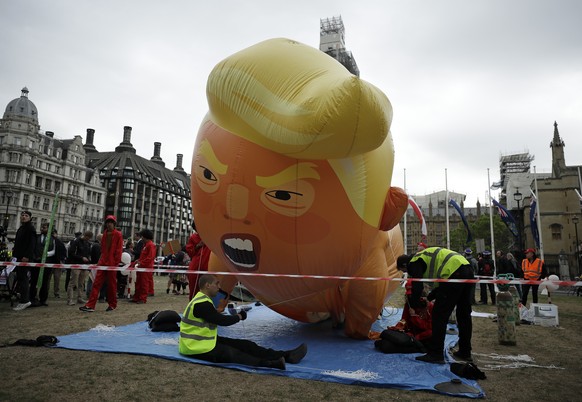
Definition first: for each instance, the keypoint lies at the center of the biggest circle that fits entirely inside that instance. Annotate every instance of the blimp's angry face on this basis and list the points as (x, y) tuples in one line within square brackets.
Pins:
[(262, 211)]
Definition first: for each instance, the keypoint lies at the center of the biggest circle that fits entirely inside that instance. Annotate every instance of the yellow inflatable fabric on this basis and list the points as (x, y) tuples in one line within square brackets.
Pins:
[(291, 174)]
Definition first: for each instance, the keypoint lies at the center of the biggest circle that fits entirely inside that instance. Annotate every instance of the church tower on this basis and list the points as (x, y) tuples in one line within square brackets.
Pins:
[(558, 159)]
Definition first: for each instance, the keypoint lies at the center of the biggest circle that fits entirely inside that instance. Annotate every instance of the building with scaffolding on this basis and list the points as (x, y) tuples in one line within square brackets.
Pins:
[(332, 42)]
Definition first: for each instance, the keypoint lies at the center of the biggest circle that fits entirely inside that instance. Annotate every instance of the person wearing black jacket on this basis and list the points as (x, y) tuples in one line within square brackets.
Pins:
[(199, 336), (24, 251)]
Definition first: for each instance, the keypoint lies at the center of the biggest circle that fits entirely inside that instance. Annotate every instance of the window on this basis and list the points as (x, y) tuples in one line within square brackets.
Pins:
[(57, 186), (556, 230), (13, 176), (15, 157), (48, 184), (128, 184), (25, 200), (17, 141), (36, 202), (28, 178), (45, 204)]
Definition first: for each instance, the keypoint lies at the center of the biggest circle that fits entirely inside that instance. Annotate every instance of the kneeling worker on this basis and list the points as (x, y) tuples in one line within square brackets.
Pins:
[(199, 335), (441, 263)]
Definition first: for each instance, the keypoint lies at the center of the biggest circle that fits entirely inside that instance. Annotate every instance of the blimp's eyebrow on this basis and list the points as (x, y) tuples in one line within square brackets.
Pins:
[(207, 152), (303, 170)]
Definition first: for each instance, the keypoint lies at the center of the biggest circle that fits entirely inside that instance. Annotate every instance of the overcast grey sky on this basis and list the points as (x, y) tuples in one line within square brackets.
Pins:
[(468, 80)]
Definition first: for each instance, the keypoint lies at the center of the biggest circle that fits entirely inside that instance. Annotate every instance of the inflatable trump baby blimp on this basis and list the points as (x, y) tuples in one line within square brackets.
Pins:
[(291, 174)]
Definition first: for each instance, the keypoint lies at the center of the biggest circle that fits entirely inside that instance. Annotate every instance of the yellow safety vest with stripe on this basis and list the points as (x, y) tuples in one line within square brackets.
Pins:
[(196, 335), (441, 263), (531, 271)]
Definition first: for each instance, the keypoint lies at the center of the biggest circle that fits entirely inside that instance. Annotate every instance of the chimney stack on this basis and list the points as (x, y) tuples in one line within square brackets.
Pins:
[(127, 135), (179, 167), (90, 136), (89, 147), (157, 158), (126, 146)]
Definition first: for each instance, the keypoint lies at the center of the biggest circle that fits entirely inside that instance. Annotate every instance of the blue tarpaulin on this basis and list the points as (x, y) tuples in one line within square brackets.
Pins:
[(331, 355)]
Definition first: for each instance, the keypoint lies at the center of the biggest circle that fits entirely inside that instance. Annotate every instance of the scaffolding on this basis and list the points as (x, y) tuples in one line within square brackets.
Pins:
[(332, 42), (516, 163)]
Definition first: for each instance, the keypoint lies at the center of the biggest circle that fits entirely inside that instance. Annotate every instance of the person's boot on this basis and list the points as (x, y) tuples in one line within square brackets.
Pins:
[(278, 364), (294, 356)]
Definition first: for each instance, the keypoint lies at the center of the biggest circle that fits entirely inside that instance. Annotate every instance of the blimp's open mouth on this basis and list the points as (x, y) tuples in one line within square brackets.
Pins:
[(242, 250)]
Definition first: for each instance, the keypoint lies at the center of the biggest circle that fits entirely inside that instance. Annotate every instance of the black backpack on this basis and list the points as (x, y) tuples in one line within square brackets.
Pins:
[(164, 321), (392, 341)]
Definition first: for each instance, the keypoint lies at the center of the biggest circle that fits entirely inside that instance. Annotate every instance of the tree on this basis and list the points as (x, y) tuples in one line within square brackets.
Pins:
[(480, 229)]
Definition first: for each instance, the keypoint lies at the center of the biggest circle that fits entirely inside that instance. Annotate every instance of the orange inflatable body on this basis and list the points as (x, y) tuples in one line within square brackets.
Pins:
[(291, 175)]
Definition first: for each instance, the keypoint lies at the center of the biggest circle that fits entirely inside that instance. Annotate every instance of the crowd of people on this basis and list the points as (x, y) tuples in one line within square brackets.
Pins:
[(88, 287)]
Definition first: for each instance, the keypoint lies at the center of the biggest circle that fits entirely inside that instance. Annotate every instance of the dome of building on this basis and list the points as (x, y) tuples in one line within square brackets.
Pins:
[(22, 107)]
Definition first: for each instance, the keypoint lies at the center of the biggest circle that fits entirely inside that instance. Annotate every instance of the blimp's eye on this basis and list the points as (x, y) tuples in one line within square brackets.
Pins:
[(283, 195), (290, 199), (206, 179)]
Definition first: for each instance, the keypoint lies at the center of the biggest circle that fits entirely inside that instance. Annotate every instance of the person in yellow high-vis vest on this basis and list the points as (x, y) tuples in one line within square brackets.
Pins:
[(199, 334), (441, 263), (533, 269)]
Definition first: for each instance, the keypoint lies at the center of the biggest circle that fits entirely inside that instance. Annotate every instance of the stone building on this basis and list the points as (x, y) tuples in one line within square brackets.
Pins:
[(560, 208), (35, 166)]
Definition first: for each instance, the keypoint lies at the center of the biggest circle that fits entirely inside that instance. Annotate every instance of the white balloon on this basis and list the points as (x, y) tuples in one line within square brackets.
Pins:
[(125, 260), (549, 285)]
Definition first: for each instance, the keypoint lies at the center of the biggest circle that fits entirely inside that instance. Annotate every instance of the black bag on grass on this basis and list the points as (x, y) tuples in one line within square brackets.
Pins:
[(398, 342), (164, 321), (43, 340)]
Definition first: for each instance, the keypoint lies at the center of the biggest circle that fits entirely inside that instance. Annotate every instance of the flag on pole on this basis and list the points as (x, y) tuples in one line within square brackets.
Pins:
[(506, 218), (458, 208), (497, 185), (419, 215), (533, 219)]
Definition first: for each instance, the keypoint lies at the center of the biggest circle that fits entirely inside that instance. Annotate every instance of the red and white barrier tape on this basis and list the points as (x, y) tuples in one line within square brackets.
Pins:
[(178, 269)]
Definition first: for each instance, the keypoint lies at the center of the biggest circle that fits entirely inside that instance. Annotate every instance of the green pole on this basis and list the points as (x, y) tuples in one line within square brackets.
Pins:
[(48, 239)]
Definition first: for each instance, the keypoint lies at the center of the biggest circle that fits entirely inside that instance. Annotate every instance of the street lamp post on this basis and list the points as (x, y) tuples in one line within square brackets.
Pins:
[(575, 221), (518, 197), (8, 194)]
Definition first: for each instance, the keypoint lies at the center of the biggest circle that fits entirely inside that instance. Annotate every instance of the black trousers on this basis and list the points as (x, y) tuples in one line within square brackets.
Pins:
[(44, 288), (240, 351), (450, 295), (22, 283), (525, 292), (484, 287)]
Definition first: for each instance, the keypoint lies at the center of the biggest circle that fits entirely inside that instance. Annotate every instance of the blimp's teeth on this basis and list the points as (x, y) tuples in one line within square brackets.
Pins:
[(239, 244)]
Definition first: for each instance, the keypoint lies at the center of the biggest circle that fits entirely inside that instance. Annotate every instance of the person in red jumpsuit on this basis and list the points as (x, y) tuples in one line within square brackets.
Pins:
[(146, 260), (199, 255), (111, 249)]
